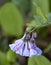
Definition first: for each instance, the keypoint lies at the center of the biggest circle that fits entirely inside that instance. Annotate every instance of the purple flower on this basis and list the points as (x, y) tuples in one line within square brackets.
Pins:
[(26, 48), (34, 50), (17, 45)]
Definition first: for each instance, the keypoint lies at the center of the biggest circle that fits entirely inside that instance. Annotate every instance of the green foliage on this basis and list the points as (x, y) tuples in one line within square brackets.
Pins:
[(49, 17), (23, 5), (7, 58), (39, 60), (11, 19), (38, 11), (43, 4), (11, 56), (3, 59), (38, 22)]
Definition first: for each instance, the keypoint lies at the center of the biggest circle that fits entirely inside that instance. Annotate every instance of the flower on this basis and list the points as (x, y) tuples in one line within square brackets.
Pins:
[(26, 46), (34, 50), (18, 45)]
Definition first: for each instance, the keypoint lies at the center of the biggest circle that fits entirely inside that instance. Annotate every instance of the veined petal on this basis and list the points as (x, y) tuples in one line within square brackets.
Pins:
[(26, 51), (16, 45)]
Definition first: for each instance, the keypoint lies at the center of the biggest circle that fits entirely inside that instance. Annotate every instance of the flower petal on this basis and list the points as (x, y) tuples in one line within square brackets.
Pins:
[(26, 51)]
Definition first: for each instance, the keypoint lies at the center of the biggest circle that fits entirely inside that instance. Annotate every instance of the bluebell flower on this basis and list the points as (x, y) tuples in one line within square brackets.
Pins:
[(18, 45), (34, 50), (26, 46)]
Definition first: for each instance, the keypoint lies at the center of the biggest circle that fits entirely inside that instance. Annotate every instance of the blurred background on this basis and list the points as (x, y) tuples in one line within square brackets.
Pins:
[(14, 15)]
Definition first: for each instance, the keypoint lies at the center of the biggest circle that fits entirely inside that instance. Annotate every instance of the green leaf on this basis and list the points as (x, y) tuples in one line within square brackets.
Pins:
[(11, 19), (39, 12), (3, 59), (49, 17), (23, 5), (11, 56), (38, 22), (43, 4), (38, 60)]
